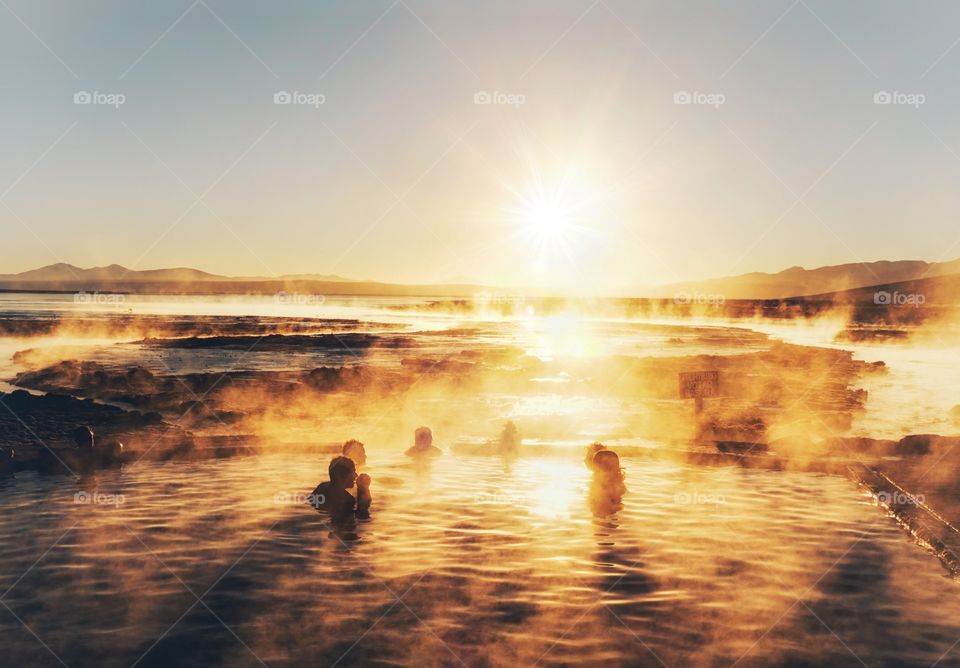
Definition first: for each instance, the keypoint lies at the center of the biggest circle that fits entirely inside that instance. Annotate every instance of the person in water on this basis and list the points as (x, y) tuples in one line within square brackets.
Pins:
[(592, 450), (83, 439), (363, 496), (86, 453), (334, 495), (607, 487), (356, 451), (423, 446), (509, 442)]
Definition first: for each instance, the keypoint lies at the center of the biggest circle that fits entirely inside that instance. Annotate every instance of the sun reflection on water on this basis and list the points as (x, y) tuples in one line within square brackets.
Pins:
[(558, 484), (561, 336)]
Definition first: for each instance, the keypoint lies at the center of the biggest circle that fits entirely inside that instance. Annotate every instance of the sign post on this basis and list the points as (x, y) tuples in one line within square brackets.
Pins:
[(698, 385)]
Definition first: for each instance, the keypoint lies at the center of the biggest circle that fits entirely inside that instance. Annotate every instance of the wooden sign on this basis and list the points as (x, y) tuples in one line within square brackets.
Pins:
[(699, 384)]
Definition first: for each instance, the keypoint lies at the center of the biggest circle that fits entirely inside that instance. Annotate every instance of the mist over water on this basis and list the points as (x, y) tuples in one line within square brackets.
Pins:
[(495, 563), (919, 388), (915, 395)]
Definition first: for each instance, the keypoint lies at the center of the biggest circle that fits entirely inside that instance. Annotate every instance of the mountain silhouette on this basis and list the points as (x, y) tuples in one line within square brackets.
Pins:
[(800, 282)]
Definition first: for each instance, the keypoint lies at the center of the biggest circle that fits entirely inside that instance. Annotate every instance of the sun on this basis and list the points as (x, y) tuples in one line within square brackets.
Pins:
[(546, 220), (551, 218)]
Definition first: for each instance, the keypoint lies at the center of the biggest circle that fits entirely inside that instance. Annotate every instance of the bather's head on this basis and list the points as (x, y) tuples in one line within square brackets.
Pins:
[(422, 438), (343, 472), (592, 451), (83, 438), (606, 464), (509, 437), (355, 450)]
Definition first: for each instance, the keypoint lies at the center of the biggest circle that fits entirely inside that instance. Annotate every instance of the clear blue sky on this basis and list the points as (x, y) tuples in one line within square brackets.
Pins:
[(584, 169)]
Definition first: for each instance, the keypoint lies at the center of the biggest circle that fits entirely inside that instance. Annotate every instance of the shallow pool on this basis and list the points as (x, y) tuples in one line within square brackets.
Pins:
[(472, 562)]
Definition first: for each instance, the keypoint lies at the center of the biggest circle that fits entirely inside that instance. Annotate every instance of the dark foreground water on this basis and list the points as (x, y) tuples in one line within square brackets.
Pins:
[(473, 562)]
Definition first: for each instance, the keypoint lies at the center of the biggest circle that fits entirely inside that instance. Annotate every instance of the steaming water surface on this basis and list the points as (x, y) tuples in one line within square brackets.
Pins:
[(494, 565), (438, 333), (916, 393), (895, 407), (219, 562)]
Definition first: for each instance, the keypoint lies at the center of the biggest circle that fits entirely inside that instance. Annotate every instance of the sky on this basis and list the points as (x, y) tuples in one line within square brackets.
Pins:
[(603, 145)]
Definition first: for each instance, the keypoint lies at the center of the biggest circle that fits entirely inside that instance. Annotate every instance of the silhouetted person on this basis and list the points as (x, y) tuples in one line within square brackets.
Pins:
[(607, 487), (592, 450), (423, 447), (83, 439), (509, 442), (90, 454), (333, 495), (356, 451), (82, 456), (363, 496)]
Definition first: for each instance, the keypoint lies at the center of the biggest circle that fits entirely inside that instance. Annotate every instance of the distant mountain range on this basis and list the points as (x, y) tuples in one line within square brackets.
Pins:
[(943, 290), (64, 277), (844, 281), (63, 272), (800, 282)]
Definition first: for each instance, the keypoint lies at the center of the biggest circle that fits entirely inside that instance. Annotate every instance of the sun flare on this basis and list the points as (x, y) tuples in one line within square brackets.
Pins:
[(552, 218), (546, 220)]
